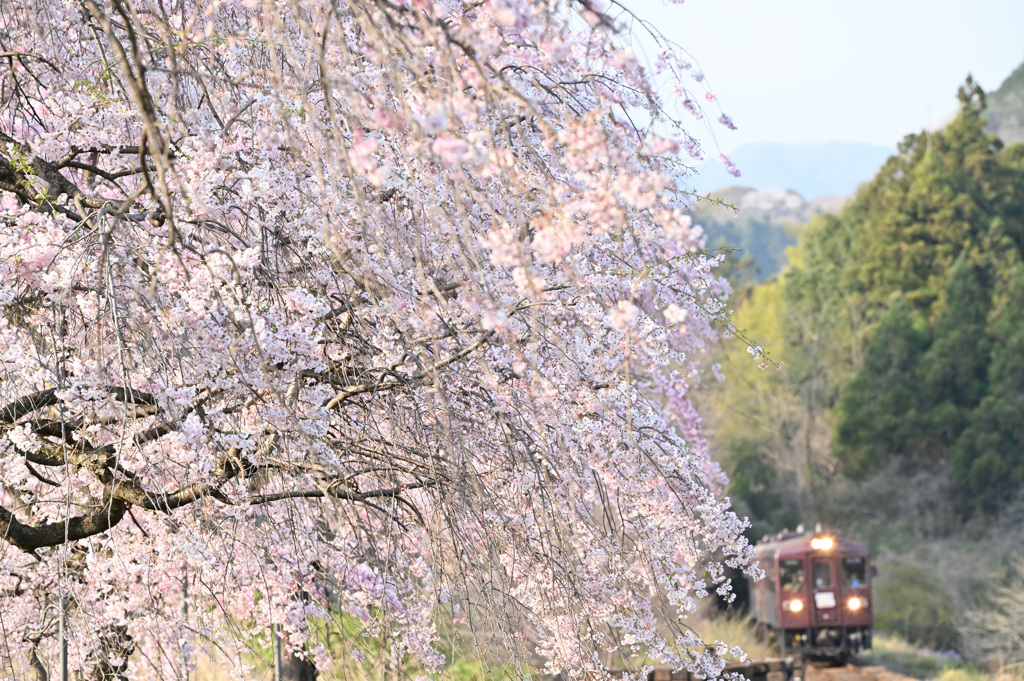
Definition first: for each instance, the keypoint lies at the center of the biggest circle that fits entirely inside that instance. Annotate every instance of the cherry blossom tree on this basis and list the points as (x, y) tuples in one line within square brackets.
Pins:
[(384, 308)]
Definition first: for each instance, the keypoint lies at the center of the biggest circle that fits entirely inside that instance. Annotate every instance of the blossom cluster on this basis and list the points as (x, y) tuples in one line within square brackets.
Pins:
[(384, 309)]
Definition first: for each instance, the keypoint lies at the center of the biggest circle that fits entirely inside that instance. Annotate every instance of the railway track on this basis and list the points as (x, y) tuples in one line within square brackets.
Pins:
[(819, 671)]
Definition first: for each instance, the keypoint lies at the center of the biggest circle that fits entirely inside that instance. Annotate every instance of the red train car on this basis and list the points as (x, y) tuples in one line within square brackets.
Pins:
[(816, 594)]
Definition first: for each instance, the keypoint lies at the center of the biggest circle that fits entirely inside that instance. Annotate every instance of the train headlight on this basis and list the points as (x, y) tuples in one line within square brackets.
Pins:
[(822, 543), (795, 605), (856, 603)]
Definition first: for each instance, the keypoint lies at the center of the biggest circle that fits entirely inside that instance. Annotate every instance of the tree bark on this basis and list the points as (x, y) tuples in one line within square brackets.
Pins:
[(295, 668), (38, 668)]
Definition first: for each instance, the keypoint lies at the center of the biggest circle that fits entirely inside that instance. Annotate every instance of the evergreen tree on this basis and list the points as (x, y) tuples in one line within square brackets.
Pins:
[(954, 371), (929, 204), (879, 413), (988, 458), (754, 479)]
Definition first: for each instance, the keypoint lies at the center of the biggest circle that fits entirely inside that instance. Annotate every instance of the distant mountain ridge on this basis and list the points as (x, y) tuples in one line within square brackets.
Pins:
[(1005, 112), (810, 169), (838, 168)]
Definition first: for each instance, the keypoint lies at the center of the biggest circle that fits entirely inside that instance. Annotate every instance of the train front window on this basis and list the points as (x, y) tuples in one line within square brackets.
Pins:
[(822, 575), (791, 574), (854, 572)]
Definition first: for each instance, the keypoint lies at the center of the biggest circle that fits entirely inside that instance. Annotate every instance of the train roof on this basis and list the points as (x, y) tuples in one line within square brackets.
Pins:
[(787, 544)]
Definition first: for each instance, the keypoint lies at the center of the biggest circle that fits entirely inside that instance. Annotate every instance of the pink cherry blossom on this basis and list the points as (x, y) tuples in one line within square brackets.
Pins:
[(730, 167), (623, 315), (315, 309)]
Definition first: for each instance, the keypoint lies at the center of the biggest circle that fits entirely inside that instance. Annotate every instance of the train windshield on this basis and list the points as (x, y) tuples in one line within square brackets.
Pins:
[(822, 575), (791, 574), (854, 571)]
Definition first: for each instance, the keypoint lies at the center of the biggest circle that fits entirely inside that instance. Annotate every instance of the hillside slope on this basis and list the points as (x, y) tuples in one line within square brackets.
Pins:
[(1005, 113), (760, 224)]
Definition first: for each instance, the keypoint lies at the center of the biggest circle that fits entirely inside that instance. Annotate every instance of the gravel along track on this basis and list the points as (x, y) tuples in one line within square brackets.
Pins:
[(817, 671)]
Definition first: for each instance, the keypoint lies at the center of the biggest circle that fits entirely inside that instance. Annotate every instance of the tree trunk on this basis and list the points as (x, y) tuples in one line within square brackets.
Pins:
[(117, 646), (297, 669), (38, 668)]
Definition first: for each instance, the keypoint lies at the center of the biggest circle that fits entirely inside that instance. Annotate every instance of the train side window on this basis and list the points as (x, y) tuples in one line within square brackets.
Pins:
[(822, 575), (791, 574), (854, 571)]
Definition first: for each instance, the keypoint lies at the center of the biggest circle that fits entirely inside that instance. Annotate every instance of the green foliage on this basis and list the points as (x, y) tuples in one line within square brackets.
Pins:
[(879, 414), (912, 604), (897, 655), (818, 331), (955, 366), (914, 395), (930, 203), (989, 456), (754, 421), (889, 315), (759, 225), (755, 480), (761, 241), (899, 329)]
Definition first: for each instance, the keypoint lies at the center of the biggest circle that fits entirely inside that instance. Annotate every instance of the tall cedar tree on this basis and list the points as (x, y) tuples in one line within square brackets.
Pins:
[(879, 413), (987, 456), (954, 371)]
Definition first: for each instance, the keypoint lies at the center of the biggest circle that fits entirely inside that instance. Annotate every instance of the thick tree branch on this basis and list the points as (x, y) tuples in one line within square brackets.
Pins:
[(48, 397), (30, 538), (166, 501), (28, 404)]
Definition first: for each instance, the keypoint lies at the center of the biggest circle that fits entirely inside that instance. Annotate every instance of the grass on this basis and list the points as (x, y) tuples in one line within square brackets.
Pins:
[(360, 655), (464, 664), (891, 652), (901, 657), (888, 651), (735, 630)]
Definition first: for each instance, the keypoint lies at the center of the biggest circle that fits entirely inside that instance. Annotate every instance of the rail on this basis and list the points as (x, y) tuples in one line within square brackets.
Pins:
[(768, 669)]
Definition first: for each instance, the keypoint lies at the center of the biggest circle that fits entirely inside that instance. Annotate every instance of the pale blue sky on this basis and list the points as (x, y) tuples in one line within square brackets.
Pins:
[(846, 70)]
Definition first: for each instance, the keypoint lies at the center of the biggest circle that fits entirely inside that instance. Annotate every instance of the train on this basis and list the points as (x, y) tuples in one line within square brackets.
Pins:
[(815, 598)]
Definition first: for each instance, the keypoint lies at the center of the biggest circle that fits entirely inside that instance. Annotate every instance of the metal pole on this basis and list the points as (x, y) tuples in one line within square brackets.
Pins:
[(277, 653), (184, 607), (63, 642)]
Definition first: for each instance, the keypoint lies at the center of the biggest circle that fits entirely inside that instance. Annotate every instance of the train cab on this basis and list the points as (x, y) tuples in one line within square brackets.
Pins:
[(816, 594)]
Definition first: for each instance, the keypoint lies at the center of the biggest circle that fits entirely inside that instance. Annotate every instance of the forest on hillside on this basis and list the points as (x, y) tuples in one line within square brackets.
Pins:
[(893, 412)]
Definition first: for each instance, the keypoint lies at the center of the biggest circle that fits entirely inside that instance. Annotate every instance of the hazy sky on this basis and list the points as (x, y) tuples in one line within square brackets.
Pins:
[(846, 70)]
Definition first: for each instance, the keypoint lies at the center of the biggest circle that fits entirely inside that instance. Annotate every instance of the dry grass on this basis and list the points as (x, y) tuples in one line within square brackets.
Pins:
[(734, 630), (901, 657)]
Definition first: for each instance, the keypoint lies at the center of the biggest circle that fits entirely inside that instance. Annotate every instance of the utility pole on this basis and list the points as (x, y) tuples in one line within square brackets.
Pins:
[(63, 639), (276, 642)]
